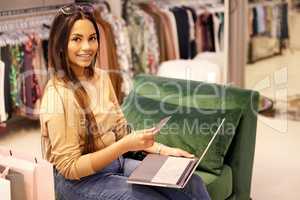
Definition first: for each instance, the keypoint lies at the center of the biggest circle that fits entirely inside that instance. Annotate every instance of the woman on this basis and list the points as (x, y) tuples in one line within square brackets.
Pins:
[(84, 132)]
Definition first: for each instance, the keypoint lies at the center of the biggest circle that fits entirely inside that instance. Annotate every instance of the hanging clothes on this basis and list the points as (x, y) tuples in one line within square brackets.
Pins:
[(152, 54), (160, 24), (268, 19), (251, 22), (255, 22), (39, 65), (17, 56), (45, 44), (173, 31), (122, 49), (284, 22), (275, 17), (261, 23), (108, 53), (3, 116), (30, 88), (180, 31), (217, 25), (168, 34), (137, 31), (269, 30), (25, 75), (183, 32), (6, 58), (205, 30), (144, 40), (192, 20), (221, 31)]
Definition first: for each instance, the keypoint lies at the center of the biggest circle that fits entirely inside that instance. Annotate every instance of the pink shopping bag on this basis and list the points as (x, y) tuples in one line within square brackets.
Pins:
[(38, 180), (4, 151), (5, 185)]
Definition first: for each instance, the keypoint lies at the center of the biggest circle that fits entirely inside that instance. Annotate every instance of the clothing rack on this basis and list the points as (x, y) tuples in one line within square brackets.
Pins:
[(35, 50), (211, 6), (266, 3), (7, 14), (187, 44), (15, 28), (12, 20), (281, 42)]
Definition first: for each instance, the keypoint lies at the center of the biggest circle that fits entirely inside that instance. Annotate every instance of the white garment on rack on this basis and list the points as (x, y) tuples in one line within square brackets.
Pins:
[(191, 25), (217, 24), (3, 116), (222, 35), (261, 25), (274, 22)]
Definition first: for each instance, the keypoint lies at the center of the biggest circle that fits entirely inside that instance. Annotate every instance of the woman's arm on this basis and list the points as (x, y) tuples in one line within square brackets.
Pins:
[(60, 123), (101, 158), (154, 148), (166, 150), (67, 156), (133, 142)]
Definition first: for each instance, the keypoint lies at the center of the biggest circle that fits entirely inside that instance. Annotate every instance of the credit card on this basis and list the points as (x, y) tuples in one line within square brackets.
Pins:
[(162, 123)]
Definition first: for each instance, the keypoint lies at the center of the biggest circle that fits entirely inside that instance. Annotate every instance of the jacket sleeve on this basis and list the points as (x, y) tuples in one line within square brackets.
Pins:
[(61, 121)]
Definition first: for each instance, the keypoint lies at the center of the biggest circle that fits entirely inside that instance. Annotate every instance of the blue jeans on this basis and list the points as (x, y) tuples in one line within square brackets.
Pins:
[(110, 184)]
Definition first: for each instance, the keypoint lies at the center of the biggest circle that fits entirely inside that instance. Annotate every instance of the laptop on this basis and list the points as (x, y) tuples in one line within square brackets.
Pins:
[(168, 171)]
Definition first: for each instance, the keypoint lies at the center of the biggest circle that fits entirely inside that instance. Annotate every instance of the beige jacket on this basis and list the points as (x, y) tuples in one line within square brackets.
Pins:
[(63, 138)]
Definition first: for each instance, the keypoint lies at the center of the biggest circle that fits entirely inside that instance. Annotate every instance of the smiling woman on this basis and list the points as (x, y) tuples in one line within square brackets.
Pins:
[(82, 46), (84, 131)]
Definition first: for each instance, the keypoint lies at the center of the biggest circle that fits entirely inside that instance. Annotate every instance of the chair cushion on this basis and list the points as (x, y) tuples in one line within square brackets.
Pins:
[(240, 155), (219, 186), (189, 128)]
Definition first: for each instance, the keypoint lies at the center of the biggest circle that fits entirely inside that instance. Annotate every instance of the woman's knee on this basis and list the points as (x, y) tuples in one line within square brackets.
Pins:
[(196, 188)]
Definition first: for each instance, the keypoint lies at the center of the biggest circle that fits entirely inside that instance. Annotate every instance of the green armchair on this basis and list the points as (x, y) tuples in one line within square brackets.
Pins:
[(234, 181)]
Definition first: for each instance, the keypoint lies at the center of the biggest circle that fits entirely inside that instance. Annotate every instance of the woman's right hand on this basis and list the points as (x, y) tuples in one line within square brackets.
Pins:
[(139, 140)]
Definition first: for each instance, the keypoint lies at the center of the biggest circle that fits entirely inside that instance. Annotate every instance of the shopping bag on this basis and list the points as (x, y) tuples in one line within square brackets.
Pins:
[(17, 184), (4, 151), (5, 191), (44, 179), (35, 176), (21, 176)]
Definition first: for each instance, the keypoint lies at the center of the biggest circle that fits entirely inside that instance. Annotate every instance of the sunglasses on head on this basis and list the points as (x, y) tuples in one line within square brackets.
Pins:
[(72, 8)]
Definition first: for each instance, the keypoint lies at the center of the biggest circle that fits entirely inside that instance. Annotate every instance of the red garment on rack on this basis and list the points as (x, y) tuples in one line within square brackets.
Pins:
[(2, 128)]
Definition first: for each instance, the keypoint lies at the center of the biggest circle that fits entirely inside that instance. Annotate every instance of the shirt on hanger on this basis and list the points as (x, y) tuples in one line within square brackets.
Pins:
[(2, 100)]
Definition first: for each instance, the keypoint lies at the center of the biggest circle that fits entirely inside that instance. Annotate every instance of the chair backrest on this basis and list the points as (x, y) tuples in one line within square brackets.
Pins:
[(205, 95)]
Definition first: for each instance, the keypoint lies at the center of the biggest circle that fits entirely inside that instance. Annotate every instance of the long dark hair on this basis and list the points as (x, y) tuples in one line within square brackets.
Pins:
[(59, 67)]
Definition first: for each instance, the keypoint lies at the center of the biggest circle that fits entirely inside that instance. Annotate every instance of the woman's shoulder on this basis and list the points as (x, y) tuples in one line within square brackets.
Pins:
[(55, 86), (56, 93)]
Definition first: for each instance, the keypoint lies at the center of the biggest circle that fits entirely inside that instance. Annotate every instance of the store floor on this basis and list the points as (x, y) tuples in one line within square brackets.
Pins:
[(276, 172)]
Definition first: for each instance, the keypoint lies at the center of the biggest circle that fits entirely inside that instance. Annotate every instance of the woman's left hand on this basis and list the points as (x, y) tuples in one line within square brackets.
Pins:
[(169, 151)]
